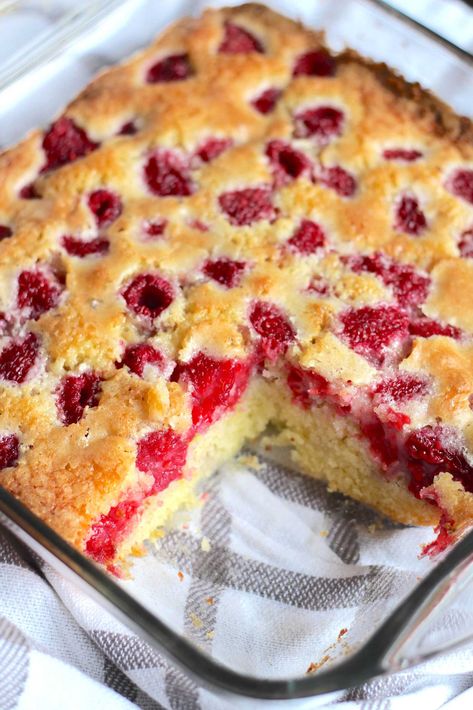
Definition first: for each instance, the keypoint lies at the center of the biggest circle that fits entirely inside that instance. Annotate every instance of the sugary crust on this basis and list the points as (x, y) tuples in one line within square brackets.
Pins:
[(69, 475)]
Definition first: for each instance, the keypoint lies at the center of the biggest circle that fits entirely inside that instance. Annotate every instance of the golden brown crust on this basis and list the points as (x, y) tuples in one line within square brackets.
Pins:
[(69, 475)]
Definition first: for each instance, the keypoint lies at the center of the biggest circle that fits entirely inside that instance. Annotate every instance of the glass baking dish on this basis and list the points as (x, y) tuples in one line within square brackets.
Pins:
[(385, 595)]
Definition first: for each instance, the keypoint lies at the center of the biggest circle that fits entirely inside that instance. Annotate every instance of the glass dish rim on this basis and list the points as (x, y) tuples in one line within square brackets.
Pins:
[(383, 652)]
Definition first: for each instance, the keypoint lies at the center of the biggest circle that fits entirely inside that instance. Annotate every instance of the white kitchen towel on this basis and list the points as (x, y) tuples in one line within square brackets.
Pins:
[(237, 580)]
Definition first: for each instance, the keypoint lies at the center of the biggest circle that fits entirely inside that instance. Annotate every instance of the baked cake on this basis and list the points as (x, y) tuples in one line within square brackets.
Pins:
[(236, 228)]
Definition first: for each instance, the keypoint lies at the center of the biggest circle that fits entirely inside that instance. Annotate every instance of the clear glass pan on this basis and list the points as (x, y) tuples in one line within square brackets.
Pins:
[(52, 72)]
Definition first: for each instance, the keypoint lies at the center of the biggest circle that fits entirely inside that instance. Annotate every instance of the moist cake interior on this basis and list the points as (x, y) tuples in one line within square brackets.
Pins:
[(234, 228)]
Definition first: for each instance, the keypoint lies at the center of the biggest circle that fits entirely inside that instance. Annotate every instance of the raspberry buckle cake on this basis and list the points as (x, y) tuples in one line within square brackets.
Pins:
[(237, 228)]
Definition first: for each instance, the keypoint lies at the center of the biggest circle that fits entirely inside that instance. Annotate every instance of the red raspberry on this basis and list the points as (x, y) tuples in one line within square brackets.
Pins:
[(199, 225), (465, 244), (216, 385), (370, 330), (18, 357), (308, 237), (408, 286), (29, 192), (237, 40), (426, 327), (401, 388), (272, 326), (382, 444), (431, 450), (265, 102), (74, 394), (461, 184), (409, 217), (338, 179), (64, 143), (137, 356), (246, 206), (406, 154), (3, 323), (176, 67), (323, 122), (5, 232), (106, 206), (128, 129), (318, 62), (212, 148), (166, 174), (9, 450), (36, 294), (162, 454), (106, 533), (306, 385), (155, 228), (148, 295), (287, 163), (225, 271), (82, 248)]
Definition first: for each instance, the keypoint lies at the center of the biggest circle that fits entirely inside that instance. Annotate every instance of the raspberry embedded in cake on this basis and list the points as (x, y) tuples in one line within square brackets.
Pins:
[(465, 245), (401, 388), (166, 174), (215, 384), (148, 295), (306, 385), (372, 331), (5, 232), (162, 454), (381, 440), (154, 229), (266, 102), (323, 122), (318, 62), (175, 67), (212, 148), (137, 356), (434, 449), (409, 216), (243, 207), (85, 247), (287, 163), (408, 285), (199, 225), (18, 357), (275, 331), (237, 40), (37, 293), (128, 129), (106, 207), (407, 155), (423, 327), (65, 142), (29, 192), (74, 394), (227, 272), (109, 531), (339, 180), (308, 238), (9, 450), (460, 184)]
